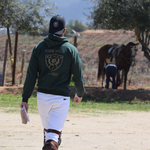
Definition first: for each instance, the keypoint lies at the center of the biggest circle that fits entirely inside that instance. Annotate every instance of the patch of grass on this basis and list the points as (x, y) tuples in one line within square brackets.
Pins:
[(71, 82), (11, 103), (96, 107)]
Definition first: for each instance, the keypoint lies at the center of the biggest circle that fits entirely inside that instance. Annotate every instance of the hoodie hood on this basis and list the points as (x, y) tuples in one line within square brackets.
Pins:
[(54, 40)]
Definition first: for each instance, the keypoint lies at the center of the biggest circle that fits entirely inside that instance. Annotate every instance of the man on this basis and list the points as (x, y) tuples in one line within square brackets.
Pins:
[(110, 70), (52, 62)]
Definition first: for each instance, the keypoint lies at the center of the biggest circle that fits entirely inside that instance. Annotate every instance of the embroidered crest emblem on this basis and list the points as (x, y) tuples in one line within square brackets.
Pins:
[(53, 61), (55, 24)]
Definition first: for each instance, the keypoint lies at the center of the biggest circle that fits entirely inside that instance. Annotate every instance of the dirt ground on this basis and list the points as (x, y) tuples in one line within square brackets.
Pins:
[(121, 130), (114, 131)]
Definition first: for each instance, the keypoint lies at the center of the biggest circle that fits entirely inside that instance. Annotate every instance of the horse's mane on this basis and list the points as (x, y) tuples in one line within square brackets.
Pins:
[(127, 48), (130, 43)]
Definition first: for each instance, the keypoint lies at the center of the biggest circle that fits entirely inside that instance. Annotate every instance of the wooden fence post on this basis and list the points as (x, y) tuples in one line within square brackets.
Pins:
[(22, 66), (15, 56), (75, 41), (4, 65)]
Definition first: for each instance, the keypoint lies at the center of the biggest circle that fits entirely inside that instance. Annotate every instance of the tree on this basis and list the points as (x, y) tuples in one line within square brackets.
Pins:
[(26, 15), (79, 27), (71, 23), (68, 30), (75, 25), (45, 29), (124, 14)]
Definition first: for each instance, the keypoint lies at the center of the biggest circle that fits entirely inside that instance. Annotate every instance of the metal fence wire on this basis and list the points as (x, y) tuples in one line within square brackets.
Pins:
[(88, 46)]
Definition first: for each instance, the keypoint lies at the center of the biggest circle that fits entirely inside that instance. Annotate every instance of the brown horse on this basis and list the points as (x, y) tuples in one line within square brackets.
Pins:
[(123, 60)]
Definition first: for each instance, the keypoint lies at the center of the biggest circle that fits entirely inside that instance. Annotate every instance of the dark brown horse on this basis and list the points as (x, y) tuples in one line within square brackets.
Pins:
[(123, 60)]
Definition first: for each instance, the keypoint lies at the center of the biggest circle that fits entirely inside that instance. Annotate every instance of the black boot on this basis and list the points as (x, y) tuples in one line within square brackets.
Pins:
[(50, 145)]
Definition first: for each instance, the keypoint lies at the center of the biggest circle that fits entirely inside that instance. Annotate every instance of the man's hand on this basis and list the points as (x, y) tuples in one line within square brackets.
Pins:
[(24, 104), (77, 99)]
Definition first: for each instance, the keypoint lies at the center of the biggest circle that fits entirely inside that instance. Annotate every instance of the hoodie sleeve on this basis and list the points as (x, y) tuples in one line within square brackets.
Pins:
[(30, 77), (78, 76)]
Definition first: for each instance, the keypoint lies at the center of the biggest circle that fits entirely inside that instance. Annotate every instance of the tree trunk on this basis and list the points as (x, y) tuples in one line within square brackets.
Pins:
[(145, 49)]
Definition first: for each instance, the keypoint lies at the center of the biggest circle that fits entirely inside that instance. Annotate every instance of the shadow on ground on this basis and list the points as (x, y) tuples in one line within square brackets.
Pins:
[(96, 93)]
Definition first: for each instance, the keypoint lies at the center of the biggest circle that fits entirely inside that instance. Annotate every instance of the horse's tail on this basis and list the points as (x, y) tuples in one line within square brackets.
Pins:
[(99, 72)]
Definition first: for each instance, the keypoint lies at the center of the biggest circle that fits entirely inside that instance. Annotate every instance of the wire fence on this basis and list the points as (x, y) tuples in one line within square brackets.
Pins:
[(88, 49), (138, 75)]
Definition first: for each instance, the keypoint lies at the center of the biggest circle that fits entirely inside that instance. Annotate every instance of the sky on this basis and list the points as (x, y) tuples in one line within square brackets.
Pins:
[(73, 9)]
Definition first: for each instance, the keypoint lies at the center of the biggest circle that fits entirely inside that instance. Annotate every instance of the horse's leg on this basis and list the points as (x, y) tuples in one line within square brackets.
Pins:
[(102, 72), (122, 75), (102, 80), (103, 75), (125, 78)]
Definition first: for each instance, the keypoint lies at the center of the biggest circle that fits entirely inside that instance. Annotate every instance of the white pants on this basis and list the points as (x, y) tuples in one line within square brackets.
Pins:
[(53, 110)]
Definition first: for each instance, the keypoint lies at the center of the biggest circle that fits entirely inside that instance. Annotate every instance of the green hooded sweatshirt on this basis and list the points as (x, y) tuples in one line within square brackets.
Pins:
[(52, 62)]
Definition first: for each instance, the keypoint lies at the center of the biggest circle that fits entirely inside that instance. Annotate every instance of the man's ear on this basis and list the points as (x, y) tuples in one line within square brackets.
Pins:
[(64, 31)]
